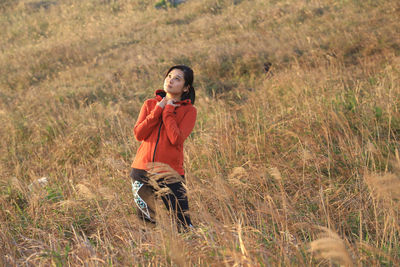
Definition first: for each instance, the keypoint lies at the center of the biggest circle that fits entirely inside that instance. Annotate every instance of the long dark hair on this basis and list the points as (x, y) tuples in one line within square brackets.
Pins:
[(188, 76)]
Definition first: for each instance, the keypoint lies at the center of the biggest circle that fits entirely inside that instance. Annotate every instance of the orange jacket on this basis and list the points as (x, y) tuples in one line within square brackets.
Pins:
[(162, 132)]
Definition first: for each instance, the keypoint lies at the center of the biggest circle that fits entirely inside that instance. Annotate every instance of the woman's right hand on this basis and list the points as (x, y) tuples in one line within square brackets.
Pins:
[(163, 102)]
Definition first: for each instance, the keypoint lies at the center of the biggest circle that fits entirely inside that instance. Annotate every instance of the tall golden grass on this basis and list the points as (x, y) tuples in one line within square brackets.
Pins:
[(275, 158)]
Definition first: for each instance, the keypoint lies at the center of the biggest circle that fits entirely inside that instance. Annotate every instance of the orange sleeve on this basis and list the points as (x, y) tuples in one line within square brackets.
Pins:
[(146, 121), (178, 133)]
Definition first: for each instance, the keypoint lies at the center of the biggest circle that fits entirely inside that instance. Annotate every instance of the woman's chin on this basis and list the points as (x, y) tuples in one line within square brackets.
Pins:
[(168, 91)]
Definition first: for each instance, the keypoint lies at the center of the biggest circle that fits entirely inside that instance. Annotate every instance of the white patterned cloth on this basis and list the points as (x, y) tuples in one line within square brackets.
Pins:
[(138, 200)]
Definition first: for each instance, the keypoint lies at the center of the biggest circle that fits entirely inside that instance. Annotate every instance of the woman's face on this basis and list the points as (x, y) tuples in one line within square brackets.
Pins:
[(174, 83)]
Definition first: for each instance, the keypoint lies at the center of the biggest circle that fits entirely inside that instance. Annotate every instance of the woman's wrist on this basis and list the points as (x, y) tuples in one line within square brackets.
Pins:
[(162, 103)]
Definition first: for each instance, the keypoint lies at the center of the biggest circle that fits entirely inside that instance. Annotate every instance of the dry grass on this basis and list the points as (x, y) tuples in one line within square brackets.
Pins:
[(331, 247), (273, 157)]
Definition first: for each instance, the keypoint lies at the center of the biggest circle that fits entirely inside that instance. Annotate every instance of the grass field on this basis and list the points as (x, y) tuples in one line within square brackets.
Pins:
[(297, 165)]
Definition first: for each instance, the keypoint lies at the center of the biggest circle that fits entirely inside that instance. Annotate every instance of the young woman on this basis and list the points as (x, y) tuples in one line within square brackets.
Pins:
[(164, 123)]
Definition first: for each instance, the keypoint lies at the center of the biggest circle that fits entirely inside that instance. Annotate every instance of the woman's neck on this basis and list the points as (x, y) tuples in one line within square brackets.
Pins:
[(174, 97)]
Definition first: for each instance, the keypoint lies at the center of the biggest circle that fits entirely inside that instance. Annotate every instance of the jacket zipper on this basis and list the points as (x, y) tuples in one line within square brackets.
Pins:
[(158, 138)]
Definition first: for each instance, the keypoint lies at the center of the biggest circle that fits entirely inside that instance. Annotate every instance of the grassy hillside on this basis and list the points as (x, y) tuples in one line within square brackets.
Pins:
[(295, 166)]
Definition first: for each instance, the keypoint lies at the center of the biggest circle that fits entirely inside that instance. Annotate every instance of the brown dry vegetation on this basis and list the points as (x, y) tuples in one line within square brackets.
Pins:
[(275, 158)]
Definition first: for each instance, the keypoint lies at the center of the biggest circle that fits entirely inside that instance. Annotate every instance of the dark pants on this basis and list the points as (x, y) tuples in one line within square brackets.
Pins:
[(144, 194)]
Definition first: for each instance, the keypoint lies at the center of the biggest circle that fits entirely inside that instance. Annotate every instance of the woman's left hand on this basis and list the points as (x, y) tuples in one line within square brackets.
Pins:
[(172, 103)]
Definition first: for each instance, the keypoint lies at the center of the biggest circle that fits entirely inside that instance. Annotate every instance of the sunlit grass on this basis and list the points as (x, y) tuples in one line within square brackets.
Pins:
[(276, 157)]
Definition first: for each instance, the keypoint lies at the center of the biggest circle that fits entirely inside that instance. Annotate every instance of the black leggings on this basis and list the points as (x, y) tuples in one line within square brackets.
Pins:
[(177, 202)]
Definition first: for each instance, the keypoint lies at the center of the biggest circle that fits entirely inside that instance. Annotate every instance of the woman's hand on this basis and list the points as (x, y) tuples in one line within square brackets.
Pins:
[(166, 101), (163, 102), (172, 103)]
